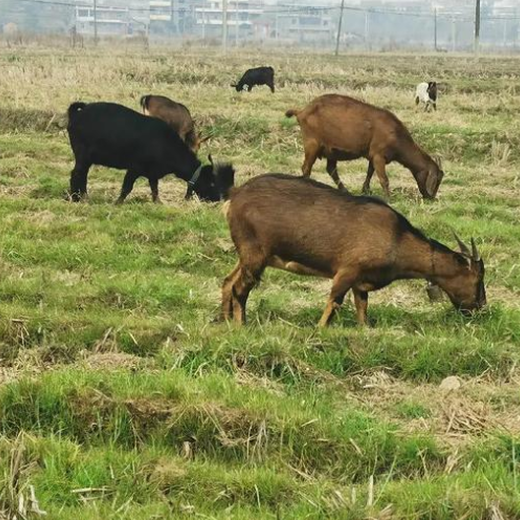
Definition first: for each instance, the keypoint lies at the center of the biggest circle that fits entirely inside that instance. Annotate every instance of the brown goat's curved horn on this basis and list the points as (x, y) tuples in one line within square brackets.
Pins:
[(438, 160), (462, 246), (204, 139), (474, 251)]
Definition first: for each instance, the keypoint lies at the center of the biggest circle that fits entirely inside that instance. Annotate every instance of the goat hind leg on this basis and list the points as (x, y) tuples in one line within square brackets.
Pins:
[(247, 278), (227, 292), (78, 181), (361, 303), (311, 154)]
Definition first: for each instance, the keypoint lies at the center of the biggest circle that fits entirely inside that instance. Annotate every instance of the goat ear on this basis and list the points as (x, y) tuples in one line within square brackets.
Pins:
[(475, 255)]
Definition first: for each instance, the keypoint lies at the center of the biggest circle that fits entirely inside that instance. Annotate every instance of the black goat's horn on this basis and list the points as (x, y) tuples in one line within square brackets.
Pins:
[(474, 251), (462, 246)]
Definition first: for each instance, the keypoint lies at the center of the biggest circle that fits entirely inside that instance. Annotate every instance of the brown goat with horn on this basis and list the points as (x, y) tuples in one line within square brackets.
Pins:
[(361, 243), (176, 115), (341, 128)]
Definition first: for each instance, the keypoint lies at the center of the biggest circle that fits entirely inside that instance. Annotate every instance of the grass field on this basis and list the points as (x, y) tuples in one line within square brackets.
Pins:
[(121, 397)]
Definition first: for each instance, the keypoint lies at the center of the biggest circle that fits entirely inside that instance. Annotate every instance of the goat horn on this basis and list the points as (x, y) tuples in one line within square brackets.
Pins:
[(210, 159), (474, 251), (462, 246)]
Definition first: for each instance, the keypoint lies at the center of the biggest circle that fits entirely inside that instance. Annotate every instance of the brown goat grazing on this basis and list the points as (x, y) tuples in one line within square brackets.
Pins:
[(361, 243), (341, 128), (176, 115)]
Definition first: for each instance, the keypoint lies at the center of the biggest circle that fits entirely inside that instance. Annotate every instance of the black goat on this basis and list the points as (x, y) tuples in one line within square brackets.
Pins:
[(115, 136), (258, 76)]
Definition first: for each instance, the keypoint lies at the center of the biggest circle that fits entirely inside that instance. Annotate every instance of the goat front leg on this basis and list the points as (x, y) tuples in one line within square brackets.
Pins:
[(379, 165), (154, 187), (340, 286), (128, 185), (332, 170), (370, 173)]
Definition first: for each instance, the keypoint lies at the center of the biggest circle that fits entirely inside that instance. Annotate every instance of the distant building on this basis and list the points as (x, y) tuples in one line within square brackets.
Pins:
[(111, 21), (306, 25), (161, 10), (172, 16), (243, 19)]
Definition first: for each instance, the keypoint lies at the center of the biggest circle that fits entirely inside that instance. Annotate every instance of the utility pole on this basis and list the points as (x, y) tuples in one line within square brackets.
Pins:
[(367, 29), (172, 19), (224, 24), (435, 29), (236, 23), (477, 27), (203, 23), (95, 23), (453, 35), (339, 26)]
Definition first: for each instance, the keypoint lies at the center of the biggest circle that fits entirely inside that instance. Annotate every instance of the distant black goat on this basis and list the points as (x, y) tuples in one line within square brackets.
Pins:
[(258, 76)]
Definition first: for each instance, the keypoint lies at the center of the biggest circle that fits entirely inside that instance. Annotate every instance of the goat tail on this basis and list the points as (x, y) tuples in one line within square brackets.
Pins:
[(74, 108), (292, 112)]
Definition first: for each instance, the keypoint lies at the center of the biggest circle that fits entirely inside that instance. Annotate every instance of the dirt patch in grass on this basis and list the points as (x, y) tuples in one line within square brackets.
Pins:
[(115, 361), (480, 407)]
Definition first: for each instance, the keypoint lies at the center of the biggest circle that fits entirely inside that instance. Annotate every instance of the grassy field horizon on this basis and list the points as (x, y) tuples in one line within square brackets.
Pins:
[(122, 396)]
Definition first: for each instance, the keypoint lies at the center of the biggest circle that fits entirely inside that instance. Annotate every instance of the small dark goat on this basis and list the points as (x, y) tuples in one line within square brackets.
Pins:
[(253, 77), (176, 115), (115, 136), (361, 243), (341, 128)]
